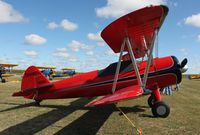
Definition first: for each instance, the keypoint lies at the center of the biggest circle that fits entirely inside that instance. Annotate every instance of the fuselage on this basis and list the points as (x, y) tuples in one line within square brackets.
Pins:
[(163, 72)]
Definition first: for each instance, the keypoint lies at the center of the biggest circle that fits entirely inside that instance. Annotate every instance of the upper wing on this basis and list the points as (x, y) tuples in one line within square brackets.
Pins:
[(139, 26), (45, 67), (68, 69), (8, 65), (122, 94)]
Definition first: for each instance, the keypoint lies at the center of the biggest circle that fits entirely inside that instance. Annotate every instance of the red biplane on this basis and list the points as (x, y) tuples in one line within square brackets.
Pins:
[(133, 34)]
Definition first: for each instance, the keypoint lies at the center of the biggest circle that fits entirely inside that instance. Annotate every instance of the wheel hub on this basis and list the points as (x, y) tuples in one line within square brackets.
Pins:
[(161, 110)]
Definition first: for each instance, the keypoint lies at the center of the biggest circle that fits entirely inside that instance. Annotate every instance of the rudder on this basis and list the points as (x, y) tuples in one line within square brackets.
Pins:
[(32, 81)]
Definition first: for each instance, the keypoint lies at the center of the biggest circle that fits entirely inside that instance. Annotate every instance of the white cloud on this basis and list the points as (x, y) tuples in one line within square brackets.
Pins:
[(100, 44), (61, 53), (116, 8), (194, 68), (95, 36), (73, 59), (64, 24), (172, 4), (90, 53), (31, 53), (194, 65), (193, 20), (110, 52), (77, 46), (184, 51), (179, 23), (34, 39), (175, 4), (68, 25), (198, 38), (52, 25), (9, 15), (4, 60)]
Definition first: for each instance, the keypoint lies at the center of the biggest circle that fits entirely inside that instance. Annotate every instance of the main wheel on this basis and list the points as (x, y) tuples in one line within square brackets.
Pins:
[(50, 78), (37, 102), (3, 80), (151, 101), (160, 109)]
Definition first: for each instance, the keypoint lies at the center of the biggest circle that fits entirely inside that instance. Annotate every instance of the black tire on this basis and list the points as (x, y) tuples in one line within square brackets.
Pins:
[(3, 80), (160, 109), (37, 102), (151, 101), (48, 77)]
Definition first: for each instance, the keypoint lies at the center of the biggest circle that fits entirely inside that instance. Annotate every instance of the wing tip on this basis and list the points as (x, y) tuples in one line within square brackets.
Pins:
[(17, 94)]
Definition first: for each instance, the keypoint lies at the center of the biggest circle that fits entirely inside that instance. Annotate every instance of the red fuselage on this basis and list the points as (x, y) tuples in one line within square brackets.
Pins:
[(164, 72)]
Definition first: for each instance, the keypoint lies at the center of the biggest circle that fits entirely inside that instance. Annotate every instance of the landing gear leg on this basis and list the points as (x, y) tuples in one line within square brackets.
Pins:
[(155, 97), (159, 108), (37, 102), (151, 100), (3, 80)]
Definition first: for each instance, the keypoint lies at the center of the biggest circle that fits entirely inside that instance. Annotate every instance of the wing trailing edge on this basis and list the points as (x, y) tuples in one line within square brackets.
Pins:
[(122, 94)]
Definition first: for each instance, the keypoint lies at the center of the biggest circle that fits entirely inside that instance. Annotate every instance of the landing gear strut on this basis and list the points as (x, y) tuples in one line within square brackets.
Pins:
[(151, 100), (158, 107), (3, 80), (37, 102)]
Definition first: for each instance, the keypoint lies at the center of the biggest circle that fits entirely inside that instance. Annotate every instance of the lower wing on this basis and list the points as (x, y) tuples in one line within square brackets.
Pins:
[(122, 94), (7, 75)]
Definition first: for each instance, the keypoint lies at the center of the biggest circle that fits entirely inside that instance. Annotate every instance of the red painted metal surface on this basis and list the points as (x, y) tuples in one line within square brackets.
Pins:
[(35, 86), (138, 25), (122, 94)]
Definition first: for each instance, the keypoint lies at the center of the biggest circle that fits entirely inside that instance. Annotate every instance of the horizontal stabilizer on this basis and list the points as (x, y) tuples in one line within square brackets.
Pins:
[(30, 91), (122, 94)]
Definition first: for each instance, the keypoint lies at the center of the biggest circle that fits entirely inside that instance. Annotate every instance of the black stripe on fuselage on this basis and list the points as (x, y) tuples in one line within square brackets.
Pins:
[(174, 70)]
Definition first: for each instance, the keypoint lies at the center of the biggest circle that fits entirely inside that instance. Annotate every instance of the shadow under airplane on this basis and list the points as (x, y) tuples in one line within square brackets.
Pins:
[(89, 123)]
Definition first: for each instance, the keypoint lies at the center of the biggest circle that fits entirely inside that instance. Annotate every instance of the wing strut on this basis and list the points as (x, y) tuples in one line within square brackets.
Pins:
[(127, 42), (150, 57)]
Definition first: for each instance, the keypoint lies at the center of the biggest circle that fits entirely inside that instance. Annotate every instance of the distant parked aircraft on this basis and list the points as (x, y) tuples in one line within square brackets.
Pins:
[(48, 71), (6, 68)]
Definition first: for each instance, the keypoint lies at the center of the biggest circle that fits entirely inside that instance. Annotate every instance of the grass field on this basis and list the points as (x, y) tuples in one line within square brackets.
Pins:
[(68, 117)]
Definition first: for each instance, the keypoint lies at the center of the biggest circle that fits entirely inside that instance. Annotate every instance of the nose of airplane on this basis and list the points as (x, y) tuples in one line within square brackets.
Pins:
[(180, 68)]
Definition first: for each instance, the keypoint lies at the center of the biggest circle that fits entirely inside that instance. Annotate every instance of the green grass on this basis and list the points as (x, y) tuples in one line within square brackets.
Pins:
[(19, 116), (18, 71)]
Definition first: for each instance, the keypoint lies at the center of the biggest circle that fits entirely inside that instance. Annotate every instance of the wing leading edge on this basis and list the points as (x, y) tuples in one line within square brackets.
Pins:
[(122, 94)]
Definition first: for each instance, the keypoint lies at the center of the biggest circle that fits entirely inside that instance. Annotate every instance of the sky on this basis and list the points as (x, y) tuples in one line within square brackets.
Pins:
[(66, 33)]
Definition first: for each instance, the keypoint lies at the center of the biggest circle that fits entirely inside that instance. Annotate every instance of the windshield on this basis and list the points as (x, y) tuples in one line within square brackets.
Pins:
[(111, 69)]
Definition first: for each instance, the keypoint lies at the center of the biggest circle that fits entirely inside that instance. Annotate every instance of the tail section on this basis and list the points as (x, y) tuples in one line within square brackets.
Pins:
[(32, 81)]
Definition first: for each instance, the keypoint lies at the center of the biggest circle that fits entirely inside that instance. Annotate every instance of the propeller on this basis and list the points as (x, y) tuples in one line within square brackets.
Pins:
[(183, 65), (184, 62)]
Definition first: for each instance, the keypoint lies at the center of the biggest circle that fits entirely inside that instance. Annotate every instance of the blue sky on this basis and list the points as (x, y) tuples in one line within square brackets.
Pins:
[(66, 33)]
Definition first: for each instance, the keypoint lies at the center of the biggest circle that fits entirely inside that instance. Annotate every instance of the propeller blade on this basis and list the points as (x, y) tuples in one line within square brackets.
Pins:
[(184, 62)]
